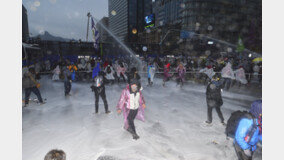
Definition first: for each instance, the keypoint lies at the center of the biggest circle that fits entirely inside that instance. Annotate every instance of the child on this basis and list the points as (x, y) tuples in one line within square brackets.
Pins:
[(132, 104)]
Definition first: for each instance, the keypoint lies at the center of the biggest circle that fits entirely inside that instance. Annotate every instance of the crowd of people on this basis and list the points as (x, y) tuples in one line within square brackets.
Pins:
[(232, 71), (219, 74)]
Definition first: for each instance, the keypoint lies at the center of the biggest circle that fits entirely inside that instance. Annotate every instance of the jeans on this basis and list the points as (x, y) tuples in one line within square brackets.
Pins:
[(131, 116), (28, 93)]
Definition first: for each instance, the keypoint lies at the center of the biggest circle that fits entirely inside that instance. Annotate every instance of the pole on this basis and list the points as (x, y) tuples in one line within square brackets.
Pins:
[(88, 26)]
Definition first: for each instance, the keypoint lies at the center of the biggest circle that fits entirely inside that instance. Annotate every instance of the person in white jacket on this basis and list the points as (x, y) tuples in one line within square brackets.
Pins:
[(240, 75), (56, 73), (89, 70), (228, 74), (208, 71), (109, 71)]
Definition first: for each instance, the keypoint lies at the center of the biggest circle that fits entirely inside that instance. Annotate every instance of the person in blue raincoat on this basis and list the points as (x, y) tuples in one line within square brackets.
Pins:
[(151, 73), (249, 132), (96, 70)]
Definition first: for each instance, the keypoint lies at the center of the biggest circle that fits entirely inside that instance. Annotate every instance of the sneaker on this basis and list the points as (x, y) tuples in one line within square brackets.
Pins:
[(107, 112), (26, 105), (208, 122)]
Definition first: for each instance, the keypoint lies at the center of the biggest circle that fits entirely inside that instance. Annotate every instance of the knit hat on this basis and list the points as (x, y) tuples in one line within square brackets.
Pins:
[(256, 108)]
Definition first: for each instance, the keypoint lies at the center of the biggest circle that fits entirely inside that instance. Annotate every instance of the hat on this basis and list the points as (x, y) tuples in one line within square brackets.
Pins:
[(256, 108)]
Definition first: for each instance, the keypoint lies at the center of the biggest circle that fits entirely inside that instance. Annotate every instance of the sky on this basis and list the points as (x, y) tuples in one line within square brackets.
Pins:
[(64, 18)]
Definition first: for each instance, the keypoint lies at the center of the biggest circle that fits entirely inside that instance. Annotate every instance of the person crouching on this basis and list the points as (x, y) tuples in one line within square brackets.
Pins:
[(132, 104)]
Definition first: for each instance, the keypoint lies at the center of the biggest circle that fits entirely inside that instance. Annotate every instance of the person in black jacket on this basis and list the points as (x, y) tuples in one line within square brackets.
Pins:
[(99, 88), (214, 99), (133, 74)]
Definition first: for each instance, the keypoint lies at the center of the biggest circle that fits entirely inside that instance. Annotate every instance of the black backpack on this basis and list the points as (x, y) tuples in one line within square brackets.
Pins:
[(234, 120)]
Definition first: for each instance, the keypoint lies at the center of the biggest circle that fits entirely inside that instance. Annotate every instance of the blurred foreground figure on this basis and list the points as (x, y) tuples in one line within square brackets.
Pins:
[(132, 104), (55, 155), (249, 132)]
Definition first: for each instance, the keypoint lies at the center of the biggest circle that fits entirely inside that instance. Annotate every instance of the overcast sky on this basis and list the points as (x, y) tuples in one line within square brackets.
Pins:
[(64, 18)]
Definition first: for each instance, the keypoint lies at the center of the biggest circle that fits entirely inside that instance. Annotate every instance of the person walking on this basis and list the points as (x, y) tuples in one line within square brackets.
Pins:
[(99, 89), (132, 104), (31, 85), (214, 99), (67, 80)]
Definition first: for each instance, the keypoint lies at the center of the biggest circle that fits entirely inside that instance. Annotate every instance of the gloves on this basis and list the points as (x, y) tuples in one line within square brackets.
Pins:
[(93, 88), (247, 152)]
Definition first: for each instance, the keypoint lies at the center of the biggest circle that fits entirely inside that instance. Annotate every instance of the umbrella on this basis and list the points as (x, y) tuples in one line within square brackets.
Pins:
[(258, 59)]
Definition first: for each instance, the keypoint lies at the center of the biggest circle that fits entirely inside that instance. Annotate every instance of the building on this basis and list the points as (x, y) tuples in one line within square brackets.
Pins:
[(167, 12), (102, 32), (225, 20), (118, 17), (126, 18), (25, 25)]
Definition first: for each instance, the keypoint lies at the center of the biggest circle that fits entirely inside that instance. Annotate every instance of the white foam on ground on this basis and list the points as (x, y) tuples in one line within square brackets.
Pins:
[(174, 127)]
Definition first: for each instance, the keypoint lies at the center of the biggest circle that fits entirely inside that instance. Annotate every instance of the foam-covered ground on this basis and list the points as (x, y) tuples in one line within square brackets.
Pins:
[(174, 127)]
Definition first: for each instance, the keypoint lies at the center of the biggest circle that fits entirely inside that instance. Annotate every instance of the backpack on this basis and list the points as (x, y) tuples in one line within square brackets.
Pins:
[(234, 120)]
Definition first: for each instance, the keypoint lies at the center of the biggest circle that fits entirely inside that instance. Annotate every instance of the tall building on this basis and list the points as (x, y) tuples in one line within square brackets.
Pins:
[(126, 17), (102, 32), (25, 26), (167, 12), (118, 17)]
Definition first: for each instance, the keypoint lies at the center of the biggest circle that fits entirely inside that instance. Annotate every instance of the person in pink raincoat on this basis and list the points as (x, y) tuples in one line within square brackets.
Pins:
[(132, 105), (181, 73), (167, 75), (121, 69)]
